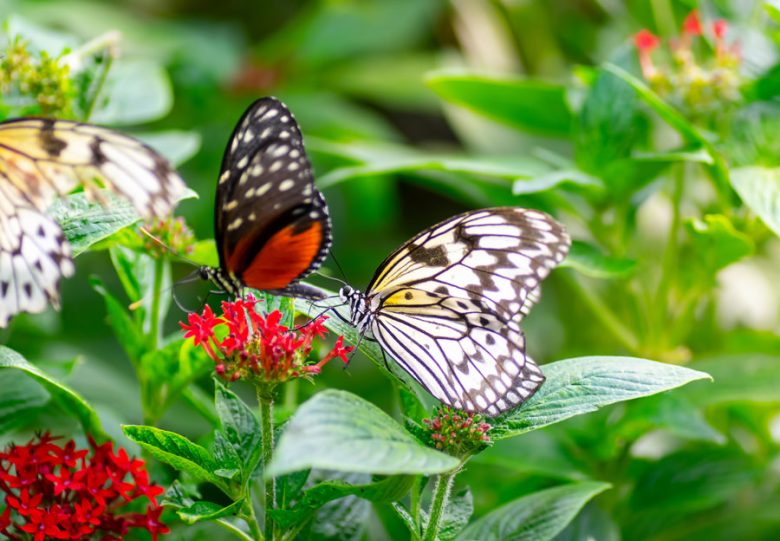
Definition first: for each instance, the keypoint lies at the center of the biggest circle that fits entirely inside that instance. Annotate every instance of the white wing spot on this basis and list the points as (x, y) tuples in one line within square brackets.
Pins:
[(286, 185)]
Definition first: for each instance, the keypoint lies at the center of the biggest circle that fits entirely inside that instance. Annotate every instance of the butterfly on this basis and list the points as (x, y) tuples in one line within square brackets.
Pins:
[(271, 224), (447, 304), (41, 159)]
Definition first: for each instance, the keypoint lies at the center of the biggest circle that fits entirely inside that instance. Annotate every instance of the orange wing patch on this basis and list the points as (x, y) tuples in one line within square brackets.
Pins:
[(284, 257)]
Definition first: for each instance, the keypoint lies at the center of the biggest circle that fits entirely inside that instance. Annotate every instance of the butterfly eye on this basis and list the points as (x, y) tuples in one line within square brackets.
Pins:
[(345, 293)]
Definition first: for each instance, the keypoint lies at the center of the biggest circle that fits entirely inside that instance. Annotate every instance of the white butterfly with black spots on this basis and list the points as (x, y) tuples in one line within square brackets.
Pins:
[(446, 306), (41, 159)]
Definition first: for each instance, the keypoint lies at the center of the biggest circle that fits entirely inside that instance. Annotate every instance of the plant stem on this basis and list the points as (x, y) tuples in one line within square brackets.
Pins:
[(664, 17), (234, 529), (414, 504), (267, 443), (441, 494), (154, 312), (251, 520)]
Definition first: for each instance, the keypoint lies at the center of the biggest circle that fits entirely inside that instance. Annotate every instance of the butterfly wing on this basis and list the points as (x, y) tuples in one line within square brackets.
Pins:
[(448, 304), (272, 224), (43, 158)]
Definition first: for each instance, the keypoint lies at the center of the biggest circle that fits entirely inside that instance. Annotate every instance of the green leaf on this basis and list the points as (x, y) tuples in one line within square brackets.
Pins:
[(670, 411), (334, 425), (530, 105), (69, 399), (341, 519), (592, 524), (663, 109), (387, 490), (759, 188), (177, 451), (371, 159), (85, 223), (125, 328), (716, 243), (537, 517), (457, 514), (21, 398), (136, 91), (202, 510), (549, 181), (585, 384), (590, 261), (608, 128), (240, 425)]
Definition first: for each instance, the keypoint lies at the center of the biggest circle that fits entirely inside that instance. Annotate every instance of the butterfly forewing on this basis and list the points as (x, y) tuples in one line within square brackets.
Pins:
[(449, 302), (43, 158), (272, 224)]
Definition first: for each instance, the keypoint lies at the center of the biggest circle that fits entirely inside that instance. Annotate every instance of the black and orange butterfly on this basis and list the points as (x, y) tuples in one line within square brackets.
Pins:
[(271, 224)]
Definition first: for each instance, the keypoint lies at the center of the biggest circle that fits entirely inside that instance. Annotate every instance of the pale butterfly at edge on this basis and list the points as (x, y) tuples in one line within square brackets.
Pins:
[(446, 306)]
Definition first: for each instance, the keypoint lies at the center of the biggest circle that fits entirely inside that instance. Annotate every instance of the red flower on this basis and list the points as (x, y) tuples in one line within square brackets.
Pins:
[(646, 40), (59, 492), (719, 28), (258, 347), (692, 24)]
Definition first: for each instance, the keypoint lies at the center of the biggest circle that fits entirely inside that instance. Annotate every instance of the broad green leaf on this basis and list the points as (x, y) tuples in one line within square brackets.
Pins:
[(387, 490), (69, 399), (590, 261), (759, 188), (407, 519), (334, 425), (226, 456), (240, 425), (85, 223), (136, 91), (669, 411), (716, 243), (202, 510), (585, 384), (531, 105), (177, 451), (20, 399), (176, 146), (537, 517)]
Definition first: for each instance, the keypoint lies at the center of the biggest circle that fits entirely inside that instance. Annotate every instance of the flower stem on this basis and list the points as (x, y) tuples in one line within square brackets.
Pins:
[(267, 443), (154, 313), (441, 494)]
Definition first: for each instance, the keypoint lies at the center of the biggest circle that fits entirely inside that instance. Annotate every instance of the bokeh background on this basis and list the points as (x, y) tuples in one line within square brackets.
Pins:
[(394, 156)]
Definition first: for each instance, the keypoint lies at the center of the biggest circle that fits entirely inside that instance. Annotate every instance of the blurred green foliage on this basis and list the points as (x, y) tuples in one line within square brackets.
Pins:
[(413, 110)]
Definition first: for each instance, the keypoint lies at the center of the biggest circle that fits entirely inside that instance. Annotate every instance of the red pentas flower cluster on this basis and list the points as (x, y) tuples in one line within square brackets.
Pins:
[(701, 82), (55, 491), (456, 432), (245, 344)]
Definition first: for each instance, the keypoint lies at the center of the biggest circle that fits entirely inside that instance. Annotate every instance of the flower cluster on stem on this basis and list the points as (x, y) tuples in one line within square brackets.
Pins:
[(698, 83), (456, 432), (245, 344), (55, 491), (168, 235)]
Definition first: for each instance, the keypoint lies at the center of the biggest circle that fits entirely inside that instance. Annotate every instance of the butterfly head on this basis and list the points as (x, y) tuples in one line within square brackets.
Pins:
[(359, 314), (221, 279)]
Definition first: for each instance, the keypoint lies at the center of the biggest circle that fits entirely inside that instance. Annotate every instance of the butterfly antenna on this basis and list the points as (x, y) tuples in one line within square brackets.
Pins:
[(168, 248)]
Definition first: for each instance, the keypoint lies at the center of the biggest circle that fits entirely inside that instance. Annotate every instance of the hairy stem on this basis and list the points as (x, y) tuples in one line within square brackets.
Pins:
[(441, 495), (267, 443)]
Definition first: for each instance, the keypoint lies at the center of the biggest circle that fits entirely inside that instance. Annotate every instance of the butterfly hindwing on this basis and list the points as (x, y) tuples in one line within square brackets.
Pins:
[(448, 305), (41, 159), (272, 224)]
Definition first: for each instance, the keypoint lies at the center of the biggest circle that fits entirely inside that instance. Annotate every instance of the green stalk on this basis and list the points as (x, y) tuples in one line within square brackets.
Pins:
[(154, 313), (441, 495), (251, 520), (267, 450), (414, 504), (664, 17), (235, 530)]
